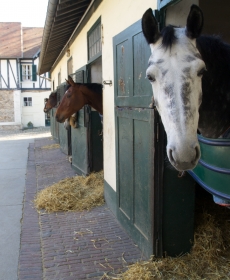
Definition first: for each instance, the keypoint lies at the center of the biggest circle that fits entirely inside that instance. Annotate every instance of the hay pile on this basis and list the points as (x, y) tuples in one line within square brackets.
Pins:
[(76, 193), (52, 146), (209, 259)]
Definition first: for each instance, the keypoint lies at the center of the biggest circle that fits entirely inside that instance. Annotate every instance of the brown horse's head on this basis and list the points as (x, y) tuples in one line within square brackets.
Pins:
[(78, 95), (50, 102)]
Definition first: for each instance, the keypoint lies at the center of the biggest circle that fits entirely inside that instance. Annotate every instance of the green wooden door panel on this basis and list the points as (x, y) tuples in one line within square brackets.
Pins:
[(64, 135), (80, 146), (63, 139), (131, 54), (125, 158), (141, 54), (56, 126), (143, 170), (52, 122), (96, 146), (123, 71), (135, 154), (178, 213)]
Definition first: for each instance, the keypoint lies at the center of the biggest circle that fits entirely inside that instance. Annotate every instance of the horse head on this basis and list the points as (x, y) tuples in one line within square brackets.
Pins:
[(72, 101), (175, 71), (76, 96), (50, 102)]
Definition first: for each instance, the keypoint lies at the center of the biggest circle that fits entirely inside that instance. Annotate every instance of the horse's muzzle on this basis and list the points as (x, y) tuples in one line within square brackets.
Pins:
[(59, 119), (184, 164)]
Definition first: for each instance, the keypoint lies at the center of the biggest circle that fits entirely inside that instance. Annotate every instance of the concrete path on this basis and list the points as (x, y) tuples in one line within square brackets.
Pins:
[(57, 246), (13, 164)]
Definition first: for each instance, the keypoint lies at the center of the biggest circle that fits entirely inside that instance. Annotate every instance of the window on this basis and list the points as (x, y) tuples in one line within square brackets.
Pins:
[(26, 72), (59, 78), (94, 40), (27, 101), (70, 66)]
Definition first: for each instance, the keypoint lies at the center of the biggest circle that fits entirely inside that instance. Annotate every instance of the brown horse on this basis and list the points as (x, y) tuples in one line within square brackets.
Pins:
[(76, 96), (51, 102)]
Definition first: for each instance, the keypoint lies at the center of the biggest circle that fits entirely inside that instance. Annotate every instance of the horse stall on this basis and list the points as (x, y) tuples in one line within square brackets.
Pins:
[(86, 139), (53, 123), (150, 199), (63, 133), (213, 170)]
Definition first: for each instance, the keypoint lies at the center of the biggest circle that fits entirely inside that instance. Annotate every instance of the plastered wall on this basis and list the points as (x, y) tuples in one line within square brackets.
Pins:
[(115, 17)]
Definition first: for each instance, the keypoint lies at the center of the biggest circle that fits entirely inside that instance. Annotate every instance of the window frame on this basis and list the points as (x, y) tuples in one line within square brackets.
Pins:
[(28, 102), (27, 75), (91, 30)]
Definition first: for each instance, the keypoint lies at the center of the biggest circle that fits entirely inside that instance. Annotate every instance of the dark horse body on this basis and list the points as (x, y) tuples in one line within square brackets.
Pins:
[(190, 77), (214, 110), (76, 96)]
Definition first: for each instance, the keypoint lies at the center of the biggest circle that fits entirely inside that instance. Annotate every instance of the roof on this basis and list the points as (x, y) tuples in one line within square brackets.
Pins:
[(10, 38), (62, 18), (32, 39), (19, 42)]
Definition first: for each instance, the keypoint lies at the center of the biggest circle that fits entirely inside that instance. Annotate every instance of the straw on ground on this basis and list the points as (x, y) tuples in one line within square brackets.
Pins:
[(51, 146), (71, 194), (209, 258)]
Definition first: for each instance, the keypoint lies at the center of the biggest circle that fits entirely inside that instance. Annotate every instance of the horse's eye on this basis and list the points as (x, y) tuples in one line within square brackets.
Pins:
[(68, 95), (151, 78), (201, 72)]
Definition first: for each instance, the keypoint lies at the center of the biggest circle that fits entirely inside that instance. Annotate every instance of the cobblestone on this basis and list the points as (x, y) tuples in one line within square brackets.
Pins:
[(50, 246)]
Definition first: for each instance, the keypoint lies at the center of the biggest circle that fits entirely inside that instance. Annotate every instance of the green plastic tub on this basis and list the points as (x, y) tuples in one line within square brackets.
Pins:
[(213, 169)]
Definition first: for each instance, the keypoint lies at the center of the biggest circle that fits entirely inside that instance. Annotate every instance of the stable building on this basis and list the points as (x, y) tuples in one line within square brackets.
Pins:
[(101, 41)]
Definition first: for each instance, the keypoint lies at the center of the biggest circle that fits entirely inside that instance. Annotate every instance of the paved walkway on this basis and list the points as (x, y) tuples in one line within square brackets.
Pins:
[(13, 164), (65, 245)]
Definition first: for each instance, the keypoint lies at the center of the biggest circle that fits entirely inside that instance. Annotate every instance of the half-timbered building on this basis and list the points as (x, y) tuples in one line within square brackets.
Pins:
[(22, 91)]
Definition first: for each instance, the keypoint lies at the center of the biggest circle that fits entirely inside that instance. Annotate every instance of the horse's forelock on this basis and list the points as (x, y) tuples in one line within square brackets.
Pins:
[(168, 36)]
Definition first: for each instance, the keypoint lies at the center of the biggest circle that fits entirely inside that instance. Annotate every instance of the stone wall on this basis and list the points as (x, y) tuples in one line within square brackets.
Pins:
[(6, 106)]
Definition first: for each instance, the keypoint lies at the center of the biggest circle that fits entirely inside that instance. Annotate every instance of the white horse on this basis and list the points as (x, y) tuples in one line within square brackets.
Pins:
[(188, 96)]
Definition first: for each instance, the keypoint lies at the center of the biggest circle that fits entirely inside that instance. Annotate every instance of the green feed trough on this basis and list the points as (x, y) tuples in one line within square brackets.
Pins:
[(213, 169)]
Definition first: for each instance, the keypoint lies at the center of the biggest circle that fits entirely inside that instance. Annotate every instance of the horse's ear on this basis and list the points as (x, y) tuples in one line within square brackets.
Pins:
[(70, 81), (150, 27), (195, 22), (46, 99)]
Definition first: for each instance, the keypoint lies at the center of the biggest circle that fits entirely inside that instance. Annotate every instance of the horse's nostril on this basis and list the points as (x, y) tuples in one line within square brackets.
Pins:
[(197, 157), (171, 156)]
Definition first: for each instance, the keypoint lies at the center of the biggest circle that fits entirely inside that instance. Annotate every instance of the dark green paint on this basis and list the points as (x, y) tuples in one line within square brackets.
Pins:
[(34, 72), (86, 141), (153, 204), (64, 135), (132, 53)]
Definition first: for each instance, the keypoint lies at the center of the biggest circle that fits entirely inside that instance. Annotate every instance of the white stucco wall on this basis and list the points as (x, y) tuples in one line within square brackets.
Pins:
[(115, 17), (35, 112)]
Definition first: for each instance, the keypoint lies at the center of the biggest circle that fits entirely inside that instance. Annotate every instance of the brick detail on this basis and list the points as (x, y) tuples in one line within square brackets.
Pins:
[(68, 245)]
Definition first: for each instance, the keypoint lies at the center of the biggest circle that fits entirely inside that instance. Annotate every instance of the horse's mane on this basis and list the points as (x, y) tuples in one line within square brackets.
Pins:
[(216, 56), (93, 86), (53, 93)]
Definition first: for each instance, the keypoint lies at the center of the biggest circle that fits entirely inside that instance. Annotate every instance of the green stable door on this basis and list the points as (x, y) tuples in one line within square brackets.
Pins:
[(154, 206), (86, 140)]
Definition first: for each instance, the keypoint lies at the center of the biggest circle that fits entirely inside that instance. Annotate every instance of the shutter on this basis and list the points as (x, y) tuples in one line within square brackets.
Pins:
[(34, 72), (21, 73)]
